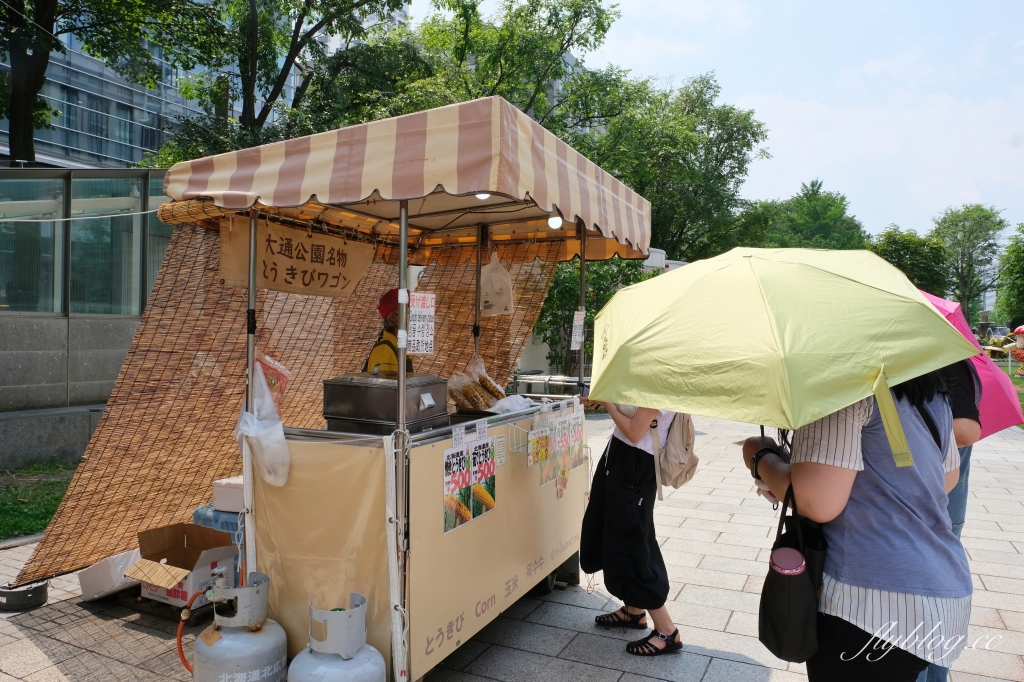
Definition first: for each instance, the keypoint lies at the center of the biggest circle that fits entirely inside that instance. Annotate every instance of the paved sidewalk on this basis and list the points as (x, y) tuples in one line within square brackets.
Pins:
[(715, 534)]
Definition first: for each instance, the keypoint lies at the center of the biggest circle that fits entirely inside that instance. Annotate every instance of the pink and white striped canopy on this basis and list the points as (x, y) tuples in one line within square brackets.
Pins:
[(440, 160)]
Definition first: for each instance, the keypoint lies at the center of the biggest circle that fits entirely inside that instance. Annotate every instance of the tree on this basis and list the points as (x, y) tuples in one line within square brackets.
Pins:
[(1010, 297), (121, 33), (679, 147), (555, 321), (811, 219), (971, 235), (922, 259)]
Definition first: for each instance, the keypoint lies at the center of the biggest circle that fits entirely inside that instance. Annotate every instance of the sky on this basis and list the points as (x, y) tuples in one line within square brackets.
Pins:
[(905, 107)]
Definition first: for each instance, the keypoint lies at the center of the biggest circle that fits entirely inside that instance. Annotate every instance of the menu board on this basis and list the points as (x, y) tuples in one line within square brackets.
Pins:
[(537, 451), (577, 439)]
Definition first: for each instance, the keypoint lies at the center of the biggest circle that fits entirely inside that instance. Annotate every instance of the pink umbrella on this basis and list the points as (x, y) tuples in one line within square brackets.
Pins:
[(1000, 406)]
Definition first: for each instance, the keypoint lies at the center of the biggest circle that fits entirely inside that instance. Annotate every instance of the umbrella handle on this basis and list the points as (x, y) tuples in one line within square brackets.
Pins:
[(762, 431)]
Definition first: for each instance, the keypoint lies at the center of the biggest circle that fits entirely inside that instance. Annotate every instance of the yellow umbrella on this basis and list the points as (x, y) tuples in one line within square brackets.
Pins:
[(780, 337)]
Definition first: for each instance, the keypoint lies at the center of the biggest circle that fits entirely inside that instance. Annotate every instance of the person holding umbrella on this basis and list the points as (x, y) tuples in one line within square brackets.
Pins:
[(896, 593), (618, 528)]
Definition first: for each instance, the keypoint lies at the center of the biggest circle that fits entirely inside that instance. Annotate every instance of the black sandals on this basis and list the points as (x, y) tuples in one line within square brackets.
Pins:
[(643, 647), (621, 618)]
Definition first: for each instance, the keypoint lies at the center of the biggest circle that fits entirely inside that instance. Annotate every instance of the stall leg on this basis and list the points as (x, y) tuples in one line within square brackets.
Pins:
[(582, 358), (250, 358), (481, 237)]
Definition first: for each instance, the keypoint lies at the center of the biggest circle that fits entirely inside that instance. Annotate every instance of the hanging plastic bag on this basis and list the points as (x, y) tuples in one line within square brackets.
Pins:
[(262, 433), (495, 289)]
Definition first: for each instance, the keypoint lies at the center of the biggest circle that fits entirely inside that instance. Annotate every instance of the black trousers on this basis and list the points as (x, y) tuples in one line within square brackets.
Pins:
[(848, 654), (618, 528)]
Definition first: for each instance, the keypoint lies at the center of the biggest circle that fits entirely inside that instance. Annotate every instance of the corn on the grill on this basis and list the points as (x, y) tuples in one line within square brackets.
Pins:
[(478, 397), (455, 506), (491, 387), (482, 496)]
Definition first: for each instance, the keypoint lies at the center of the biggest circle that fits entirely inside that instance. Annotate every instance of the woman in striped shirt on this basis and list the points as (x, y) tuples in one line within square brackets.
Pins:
[(896, 593)]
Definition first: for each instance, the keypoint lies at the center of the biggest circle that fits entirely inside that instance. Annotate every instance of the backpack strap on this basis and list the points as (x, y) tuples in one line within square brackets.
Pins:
[(656, 451)]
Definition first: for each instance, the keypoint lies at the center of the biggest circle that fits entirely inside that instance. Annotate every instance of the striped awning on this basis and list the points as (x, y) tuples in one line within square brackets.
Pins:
[(466, 164)]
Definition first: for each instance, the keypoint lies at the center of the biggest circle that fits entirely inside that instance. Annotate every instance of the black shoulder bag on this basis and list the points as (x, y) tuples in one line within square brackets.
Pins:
[(788, 615)]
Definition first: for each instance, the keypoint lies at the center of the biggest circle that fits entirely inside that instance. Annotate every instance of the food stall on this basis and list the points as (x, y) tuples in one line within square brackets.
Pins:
[(442, 520)]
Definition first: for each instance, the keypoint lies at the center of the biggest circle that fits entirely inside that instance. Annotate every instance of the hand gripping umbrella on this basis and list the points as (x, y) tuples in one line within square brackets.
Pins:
[(1000, 406), (779, 337)]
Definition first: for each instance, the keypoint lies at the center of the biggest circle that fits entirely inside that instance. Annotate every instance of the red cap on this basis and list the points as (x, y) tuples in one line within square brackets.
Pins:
[(388, 303)]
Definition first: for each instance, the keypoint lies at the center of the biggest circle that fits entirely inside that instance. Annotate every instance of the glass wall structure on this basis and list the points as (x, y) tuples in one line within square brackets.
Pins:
[(80, 242)]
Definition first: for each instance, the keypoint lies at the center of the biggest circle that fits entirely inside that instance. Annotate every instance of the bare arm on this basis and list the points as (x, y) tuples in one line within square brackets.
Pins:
[(952, 478), (821, 490), (966, 431), (633, 427)]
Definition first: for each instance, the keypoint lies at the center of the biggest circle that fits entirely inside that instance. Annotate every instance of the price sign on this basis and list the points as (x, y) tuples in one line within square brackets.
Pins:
[(421, 323), (577, 330), (458, 436)]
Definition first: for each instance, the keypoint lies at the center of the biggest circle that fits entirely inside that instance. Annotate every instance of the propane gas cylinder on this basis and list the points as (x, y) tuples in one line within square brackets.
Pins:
[(343, 654), (246, 646)]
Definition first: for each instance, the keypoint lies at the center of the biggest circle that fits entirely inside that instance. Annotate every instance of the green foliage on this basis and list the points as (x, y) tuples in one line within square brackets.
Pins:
[(42, 115), (555, 321), (30, 497), (922, 259), (971, 235), (1010, 296), (679, 147), (811, 219)]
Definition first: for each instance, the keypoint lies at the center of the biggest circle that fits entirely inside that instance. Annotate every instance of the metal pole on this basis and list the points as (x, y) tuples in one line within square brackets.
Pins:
[(66, 226), (250, 357), (401, 437), (481, 237), (582, 231)]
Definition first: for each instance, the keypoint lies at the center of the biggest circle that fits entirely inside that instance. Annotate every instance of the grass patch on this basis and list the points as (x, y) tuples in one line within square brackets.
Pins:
[(1018, 382), (29, 497)]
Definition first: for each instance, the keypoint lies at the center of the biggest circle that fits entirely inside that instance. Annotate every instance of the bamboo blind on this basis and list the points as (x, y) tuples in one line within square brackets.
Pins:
[(167, 431)]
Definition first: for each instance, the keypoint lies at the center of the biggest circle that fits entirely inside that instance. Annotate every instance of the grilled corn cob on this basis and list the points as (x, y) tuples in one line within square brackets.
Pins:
[(455, 506), (491, 387), (482, 496), (480, 399)]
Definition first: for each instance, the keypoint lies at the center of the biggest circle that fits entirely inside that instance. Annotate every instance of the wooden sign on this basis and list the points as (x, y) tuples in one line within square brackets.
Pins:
[(292, 260)]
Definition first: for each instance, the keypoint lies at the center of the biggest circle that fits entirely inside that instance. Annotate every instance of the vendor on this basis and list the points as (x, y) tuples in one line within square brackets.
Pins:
[(384, 356)]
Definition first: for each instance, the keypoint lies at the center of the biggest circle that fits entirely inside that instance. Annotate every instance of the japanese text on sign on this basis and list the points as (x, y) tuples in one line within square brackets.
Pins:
[(421, 323), (577, 330), (291, 260)]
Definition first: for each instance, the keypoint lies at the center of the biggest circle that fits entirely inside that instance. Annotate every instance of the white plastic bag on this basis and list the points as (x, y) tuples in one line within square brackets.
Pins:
[(263, 434), (513, 403), (495, 289)]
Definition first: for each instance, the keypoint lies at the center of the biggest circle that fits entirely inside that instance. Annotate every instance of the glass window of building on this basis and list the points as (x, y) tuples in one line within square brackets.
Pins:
[(106, 251), (29, 279), (159, 232)]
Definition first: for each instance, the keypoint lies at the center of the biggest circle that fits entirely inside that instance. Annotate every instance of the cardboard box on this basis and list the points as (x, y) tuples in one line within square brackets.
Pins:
[(107, 576), (178, 561), (228, 495)]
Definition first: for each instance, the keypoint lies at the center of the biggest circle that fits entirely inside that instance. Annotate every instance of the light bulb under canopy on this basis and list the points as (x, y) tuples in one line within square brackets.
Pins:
[(555, 221), (483, 196)]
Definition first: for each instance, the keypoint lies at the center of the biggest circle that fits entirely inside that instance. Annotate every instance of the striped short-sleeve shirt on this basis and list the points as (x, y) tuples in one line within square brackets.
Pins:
[(932, 628)]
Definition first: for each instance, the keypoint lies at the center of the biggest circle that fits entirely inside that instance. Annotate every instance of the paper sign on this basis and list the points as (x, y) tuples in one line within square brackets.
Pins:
[(561, 482), (577, 330), (500, 448), (481, 454), (458, 436), (537, 450), (481, 429), (577, 439), (458, 483), (292, 260), (421, 323)]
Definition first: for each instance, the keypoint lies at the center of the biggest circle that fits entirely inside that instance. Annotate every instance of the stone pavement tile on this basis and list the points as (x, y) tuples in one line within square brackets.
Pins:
[(722, 670), (1013, 558), (997, 534), (1000, 584), (999, 600), (682, 504), (725, 527), (579, 619), (984, 568), (990, 664), (713, 549), (742, 567), (994, 545), (676, 558), (742, 624), (24, 657), (697, 615), (525, 636), (700, 576), (730, 600), (91, 667), (996, 639), (686, 534), (464, 655), (446, 675), (967, 677), (734, 647), (762, 542), (522, 608), (608, 654), (668, 510), (756, 520), (511, 665), (986, 618), (578, 596), (1014, 620), (8, 678), (754, 584), (168, 666)]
